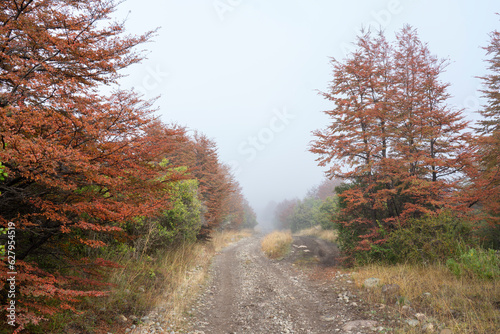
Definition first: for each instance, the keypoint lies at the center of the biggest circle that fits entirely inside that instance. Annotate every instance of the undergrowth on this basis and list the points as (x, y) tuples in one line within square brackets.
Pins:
[(169, 279)]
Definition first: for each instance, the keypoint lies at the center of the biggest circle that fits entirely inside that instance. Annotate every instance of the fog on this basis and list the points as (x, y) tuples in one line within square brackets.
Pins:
[(247, 73)]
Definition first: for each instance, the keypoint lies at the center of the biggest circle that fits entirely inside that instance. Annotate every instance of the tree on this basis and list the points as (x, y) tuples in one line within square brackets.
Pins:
[(325, 189), (283, 212), (78, 162), (391, 135), (216, 182), (487, 182), (250, 218)]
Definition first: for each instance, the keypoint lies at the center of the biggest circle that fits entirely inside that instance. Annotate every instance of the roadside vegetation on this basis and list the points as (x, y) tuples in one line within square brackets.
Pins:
[(319, 232), (277, 244), (169, 280)]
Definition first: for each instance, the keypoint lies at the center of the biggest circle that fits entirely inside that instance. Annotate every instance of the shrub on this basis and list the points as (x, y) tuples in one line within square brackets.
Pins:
[(476, 262), (489, 235), (426, 240)]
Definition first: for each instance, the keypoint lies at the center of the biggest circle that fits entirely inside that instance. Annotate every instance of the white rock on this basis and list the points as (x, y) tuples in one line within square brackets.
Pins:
[(371, 282)]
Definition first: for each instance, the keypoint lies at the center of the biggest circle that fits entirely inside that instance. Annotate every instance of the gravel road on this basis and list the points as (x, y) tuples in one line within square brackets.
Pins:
[(248, 293)]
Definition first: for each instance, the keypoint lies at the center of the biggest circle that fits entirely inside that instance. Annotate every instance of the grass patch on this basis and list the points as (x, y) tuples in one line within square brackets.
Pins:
[(462, 304), (276, 245), (169, 281), (317, 231)]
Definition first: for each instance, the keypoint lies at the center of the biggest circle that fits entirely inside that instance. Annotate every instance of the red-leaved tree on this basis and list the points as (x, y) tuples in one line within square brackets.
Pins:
[(391, 135), (78, 162)]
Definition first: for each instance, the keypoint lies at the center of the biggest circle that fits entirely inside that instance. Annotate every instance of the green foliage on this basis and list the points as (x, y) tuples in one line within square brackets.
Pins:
[(476, 262), (489, 235), (328, 211), (249, 218), (3, 231), (306, 214), (3, 173), (183, 220), (426, 240), (180, 222)]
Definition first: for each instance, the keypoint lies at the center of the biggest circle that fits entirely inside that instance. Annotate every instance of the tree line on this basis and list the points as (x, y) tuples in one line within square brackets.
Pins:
[(81, 169)]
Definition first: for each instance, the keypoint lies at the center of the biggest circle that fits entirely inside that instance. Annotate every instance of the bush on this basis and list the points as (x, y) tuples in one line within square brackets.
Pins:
[(328, 211), (476, 262), (489, 235), (426, 240), (429, 239)]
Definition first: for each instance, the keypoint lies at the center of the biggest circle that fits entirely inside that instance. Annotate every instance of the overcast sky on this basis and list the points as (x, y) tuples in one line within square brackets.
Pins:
[(246, 72)]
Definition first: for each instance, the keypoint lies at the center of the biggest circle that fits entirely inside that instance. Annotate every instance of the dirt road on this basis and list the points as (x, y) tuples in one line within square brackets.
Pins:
[(248, 293)]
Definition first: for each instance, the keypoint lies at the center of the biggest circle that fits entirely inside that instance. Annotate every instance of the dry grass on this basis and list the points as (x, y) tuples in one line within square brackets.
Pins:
[(317, 231), (463, 305), (277, 244)]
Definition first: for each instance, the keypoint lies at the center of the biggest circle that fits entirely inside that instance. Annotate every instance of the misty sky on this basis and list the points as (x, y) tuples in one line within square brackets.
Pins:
[(247, 72)]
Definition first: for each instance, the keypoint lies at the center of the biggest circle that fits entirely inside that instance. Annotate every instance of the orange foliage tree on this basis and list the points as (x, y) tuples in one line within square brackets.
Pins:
[(216, 182), (391, 135), (485, 188), (77, 161), (489, 139)]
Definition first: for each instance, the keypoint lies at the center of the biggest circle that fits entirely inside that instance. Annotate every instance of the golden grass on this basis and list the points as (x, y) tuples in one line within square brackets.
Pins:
[(277, 244), (463, 305), (317, 231)]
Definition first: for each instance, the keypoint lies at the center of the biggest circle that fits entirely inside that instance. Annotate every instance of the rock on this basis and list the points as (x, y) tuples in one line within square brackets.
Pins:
[(128, 330), (413, 322), (446, 331), (371, 282), (420, 316), (325, 318), (351, 325), (429, 328), (122, 318)]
